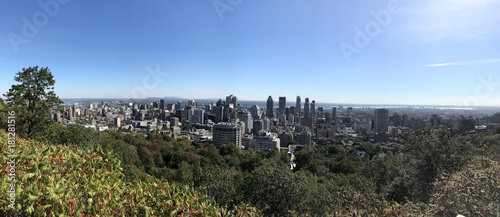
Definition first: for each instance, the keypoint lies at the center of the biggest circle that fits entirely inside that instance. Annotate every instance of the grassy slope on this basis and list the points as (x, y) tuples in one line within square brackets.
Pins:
[(81, 182)]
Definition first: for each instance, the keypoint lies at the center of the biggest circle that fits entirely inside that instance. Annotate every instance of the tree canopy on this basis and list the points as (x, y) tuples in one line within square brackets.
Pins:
[(33, 99)]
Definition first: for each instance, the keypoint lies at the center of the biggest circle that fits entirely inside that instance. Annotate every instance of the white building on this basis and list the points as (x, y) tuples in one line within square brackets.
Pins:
[(265, 141)]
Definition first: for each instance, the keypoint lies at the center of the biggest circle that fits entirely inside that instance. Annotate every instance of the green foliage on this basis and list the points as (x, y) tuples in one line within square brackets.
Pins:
[(280, 192), (33, 99), (221, 184), (3, 115), (474, 191), (392, 176), (436, 155), (70, 181)]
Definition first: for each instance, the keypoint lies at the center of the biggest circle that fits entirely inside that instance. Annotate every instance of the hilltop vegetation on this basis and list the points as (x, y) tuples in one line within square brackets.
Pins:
[(77, 181), (128, 174)]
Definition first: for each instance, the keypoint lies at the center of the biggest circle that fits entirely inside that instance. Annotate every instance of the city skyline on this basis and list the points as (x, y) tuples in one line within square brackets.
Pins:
[(363, 52)]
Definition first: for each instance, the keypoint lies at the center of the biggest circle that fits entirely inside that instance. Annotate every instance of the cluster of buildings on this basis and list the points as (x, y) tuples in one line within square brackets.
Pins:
[(279, 125)]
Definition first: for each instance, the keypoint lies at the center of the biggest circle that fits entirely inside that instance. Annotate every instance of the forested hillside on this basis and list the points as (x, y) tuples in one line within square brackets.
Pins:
[(77, 170), (59, 180)]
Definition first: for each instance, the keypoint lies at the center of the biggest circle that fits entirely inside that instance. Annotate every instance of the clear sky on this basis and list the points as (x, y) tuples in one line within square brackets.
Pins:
[(440, 52)]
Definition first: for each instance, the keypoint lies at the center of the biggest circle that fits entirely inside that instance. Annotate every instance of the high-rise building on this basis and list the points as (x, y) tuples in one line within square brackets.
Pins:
[(118, 121), (163, 104), (306, 108), (219, 114), (405, 121), (270, 107), (313, 109), (297, 106), (281, 105), (246, 118), (334, 114), (256, 112), (286, 138), (196, 116), (227, 134), (231, 100), (258, 125), (381, 122), (182, 115)]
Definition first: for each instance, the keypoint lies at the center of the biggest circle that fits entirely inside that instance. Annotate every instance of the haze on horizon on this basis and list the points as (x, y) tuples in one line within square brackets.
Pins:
[(440, 52)]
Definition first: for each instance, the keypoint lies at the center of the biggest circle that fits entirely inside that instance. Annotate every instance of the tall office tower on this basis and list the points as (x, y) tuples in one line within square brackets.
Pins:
[(246, 118), (171, 107), (286, 138), (118, 121), (182, 115), (281, 105), (231, 100), (290, 118), (396, 119), (192, 103), (306, 108), (227, 134), (219, 114), (208, 108), (381, 122), (334, 114), (320, 112), (75, 109), (313, 109), (297, 106), (270, 107), (163, 104), (70, 114), (404, 121), (219, 103), (258, 125), (256, 112), (292, 110), (179, 105), (197, 116), (267, 124)]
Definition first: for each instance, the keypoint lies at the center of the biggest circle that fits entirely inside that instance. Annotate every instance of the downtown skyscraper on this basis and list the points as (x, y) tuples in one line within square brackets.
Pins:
[(270, 107), (282, 105), (381, 122), (306, 108), (297, 106)]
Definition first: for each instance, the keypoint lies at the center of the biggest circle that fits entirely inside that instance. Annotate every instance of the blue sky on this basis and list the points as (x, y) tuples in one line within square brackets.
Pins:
[(442, 52)]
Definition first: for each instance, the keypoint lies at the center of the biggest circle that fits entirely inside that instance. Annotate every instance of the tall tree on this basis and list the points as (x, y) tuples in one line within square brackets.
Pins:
[(3, 115), (33, 99)]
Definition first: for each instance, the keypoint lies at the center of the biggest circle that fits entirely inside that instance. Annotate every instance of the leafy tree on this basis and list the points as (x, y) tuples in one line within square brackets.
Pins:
[(3, 115), (221, 184), (437, 157), (473, 191), (392, 176), (33, 99), (278, 191)]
